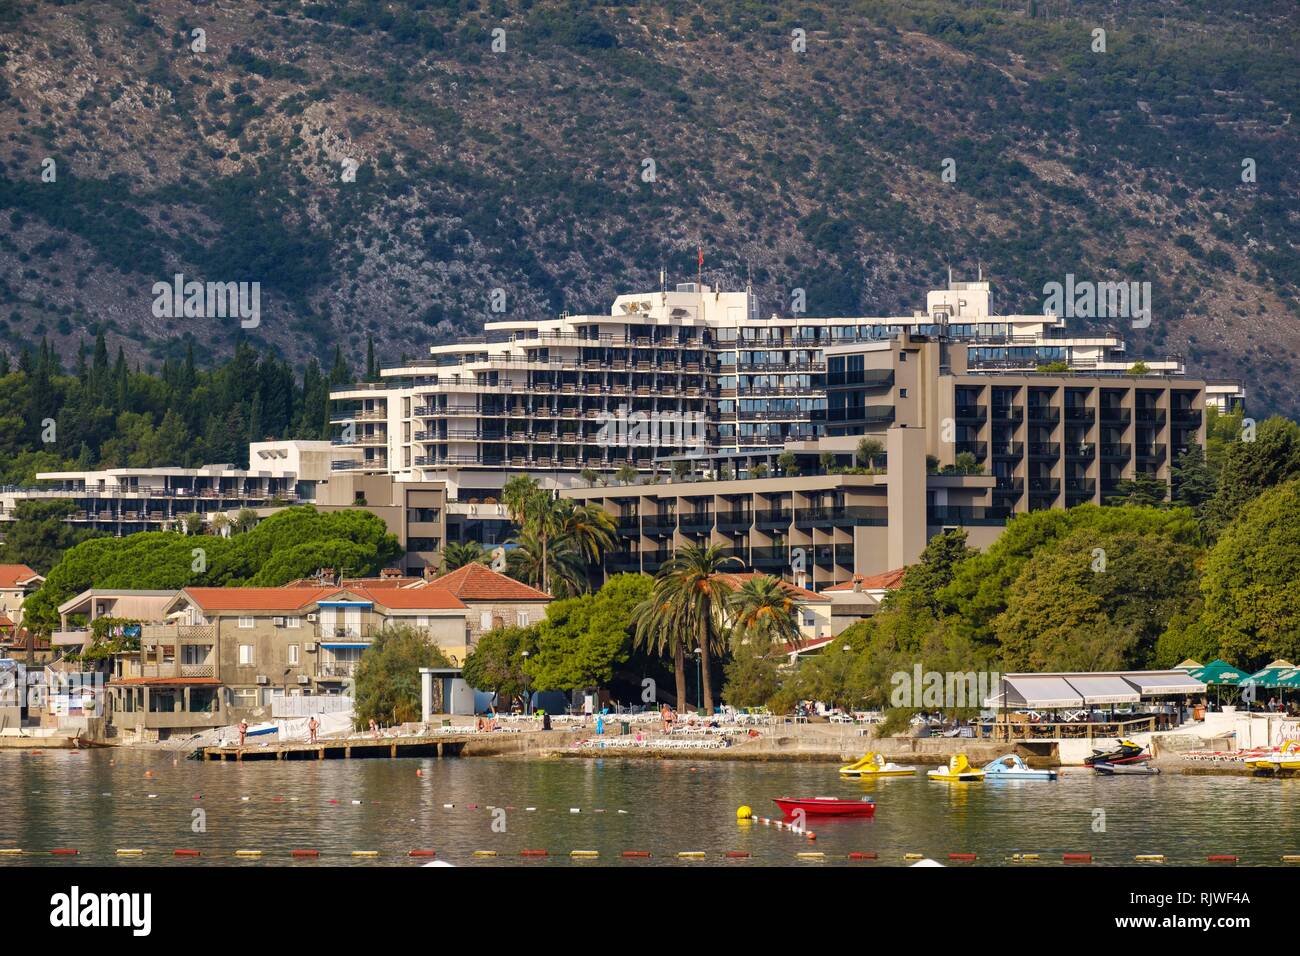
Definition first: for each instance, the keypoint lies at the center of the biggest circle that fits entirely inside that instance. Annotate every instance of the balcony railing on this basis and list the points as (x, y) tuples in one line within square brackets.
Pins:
[(1117, 452), (1008, 449), (1006, 413), (697, 521), (1044, 486), (967, 515), (971, 413), (1116, 416), (1049, 449), (734, 520), (658, 524), (1150, 416), (977, 448), (1080, 413), (775, 518), (1044, 414), (1081, 450)]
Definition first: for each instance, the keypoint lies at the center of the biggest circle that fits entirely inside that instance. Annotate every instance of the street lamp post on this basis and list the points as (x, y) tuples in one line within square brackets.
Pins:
[(528, 699)]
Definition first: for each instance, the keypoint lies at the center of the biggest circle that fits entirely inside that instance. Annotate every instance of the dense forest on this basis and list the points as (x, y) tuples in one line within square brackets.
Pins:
[(381, 167), (104, 414)]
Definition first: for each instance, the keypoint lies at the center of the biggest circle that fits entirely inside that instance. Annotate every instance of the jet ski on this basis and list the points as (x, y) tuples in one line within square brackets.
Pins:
[(1126, 752), (1123, 769)]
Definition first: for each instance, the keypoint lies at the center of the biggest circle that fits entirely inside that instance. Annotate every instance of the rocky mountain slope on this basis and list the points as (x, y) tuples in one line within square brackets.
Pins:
[(381, 168)]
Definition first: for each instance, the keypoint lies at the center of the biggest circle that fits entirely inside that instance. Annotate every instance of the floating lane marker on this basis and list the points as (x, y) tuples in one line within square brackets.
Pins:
[(584, 854), (1221, 858), (860, 855), (422, 853), (367, 853), (1150, 858), (11, 851), (912, 856), (64, 851), (186, 853), (1291, 858), (1024, 858), (737, 854), (130, 852), (963, 857), (248, 854), (304, 852), (810, 855), (485, 852), (1076, 857), (636, 854), (534, 853), (690, 855)]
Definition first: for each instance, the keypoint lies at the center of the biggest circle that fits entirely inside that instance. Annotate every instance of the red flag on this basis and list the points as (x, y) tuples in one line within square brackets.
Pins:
[(701, 251)]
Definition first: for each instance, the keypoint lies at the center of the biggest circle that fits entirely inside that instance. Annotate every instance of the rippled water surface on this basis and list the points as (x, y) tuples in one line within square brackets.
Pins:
[(100, 801)]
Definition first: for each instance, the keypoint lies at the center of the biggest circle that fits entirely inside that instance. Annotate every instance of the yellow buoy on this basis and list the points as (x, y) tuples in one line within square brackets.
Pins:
[(744, 813)]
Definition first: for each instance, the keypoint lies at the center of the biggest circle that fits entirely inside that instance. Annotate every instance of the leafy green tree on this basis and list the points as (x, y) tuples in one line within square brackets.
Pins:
[(39, 534), (1193, 481), (787, 462), (869, 449), (1251, 467), (752, 677), (583, 639), (496, 663), (388, 675), (1095, 602), (1143, 490), (1249, 584)]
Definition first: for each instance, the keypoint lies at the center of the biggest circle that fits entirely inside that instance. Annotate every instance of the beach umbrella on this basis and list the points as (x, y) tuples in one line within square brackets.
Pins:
[(1270, 675), (1188, 665), (1218, 672)]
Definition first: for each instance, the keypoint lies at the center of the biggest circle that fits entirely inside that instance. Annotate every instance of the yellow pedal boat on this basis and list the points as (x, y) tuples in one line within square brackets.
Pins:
[(958, 770), (1288, 758), (874, 765)]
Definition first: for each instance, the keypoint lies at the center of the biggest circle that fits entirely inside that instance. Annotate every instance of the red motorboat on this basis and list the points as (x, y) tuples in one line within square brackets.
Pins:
[(827, 806)]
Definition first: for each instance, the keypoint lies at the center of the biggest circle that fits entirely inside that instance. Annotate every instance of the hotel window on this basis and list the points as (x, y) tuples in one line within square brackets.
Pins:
[(246, 622), (902, 393), (293, 654), (293, 622), (246, 655)]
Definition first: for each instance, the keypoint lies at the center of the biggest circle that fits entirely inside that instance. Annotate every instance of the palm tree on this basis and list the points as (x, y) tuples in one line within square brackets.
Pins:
[(536, 511), (656, 631), (556, 568), (691, 592), (763, 612), (457, 554), (589, 528)]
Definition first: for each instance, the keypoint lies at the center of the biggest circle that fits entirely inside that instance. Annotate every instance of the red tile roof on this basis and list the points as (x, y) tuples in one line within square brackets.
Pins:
[(298, 598), (410, 599), (737, 578), (887, 581), (257, 599), (16, 575), (477, 582)]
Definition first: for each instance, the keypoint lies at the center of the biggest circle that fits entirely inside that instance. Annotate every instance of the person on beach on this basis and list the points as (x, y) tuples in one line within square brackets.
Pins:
[(374, 727), (243, 731), (666, 716), (312, 726)]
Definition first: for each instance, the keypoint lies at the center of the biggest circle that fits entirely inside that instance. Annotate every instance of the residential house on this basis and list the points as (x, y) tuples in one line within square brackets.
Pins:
[(493, 600)]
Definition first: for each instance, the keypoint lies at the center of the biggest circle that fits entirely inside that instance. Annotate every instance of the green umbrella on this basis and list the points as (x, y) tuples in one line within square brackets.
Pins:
[(1269, 676), (1290, 679), (1218, 672)]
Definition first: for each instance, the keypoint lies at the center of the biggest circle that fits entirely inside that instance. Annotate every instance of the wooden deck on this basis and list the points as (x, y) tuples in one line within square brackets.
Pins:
[(344, 748)]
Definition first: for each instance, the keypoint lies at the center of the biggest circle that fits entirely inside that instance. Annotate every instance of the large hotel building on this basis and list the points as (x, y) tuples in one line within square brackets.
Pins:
[(690, 417), (744, 430)]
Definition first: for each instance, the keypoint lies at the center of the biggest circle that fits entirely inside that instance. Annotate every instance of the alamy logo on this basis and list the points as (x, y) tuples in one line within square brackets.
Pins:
[(932, 690), (1099, 300), (75, 909), (652, 429), (208, 300)]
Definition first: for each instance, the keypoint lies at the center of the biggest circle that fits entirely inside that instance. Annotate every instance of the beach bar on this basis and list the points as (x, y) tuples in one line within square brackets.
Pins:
[(1063, 706)]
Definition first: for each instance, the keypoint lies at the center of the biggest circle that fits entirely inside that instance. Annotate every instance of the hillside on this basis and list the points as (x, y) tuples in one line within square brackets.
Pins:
[(523, 169)]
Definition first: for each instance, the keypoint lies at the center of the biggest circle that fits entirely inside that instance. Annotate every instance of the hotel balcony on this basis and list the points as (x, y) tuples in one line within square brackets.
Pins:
[(1185, 418), (773, 520), (1048, 450), (1150, 416), (658, 525), (977, 448), (1155, 453), (1116, 416), (1080, 414), (1082, 451), (967, 515), (734, 520), (1012, 449), (1006, 413), (1116, 452), (1044, 415), (696, 522), (971, 413), (770, 557)]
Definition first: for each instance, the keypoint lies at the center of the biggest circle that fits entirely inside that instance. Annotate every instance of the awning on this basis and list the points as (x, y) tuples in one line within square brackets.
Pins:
[(1035, 690), (344, 647), (1162, 683), (1104, 689)]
